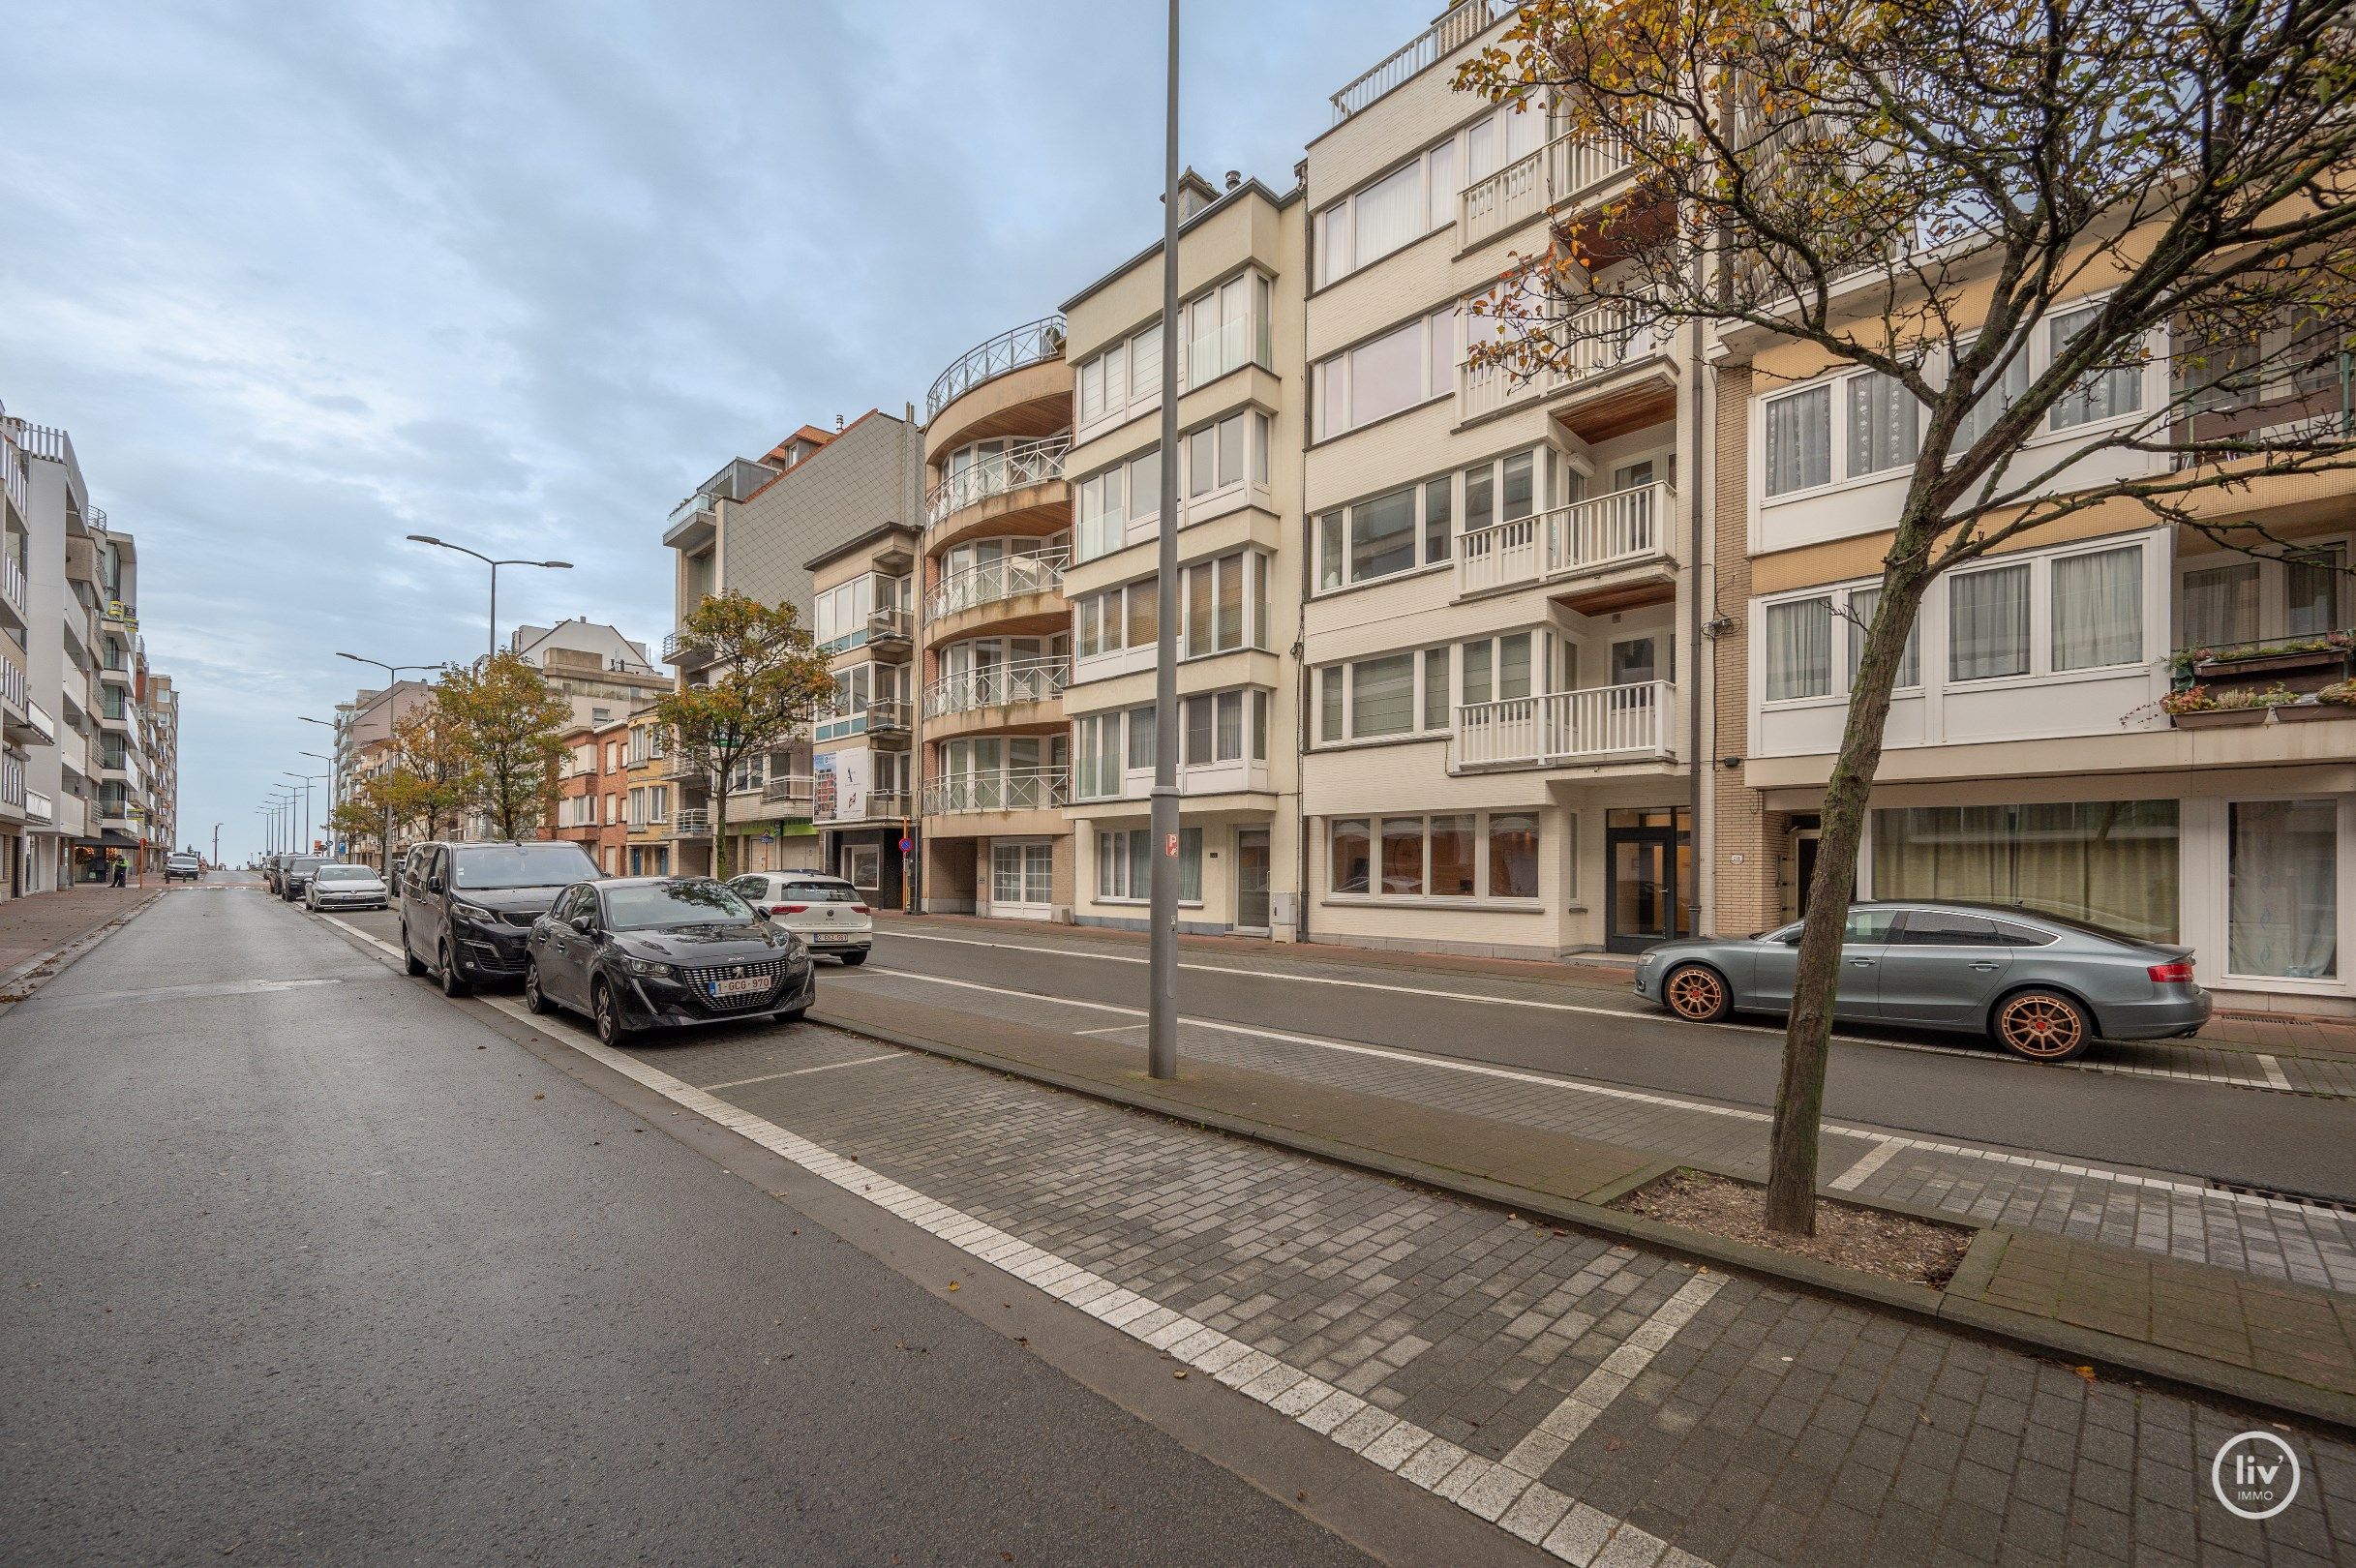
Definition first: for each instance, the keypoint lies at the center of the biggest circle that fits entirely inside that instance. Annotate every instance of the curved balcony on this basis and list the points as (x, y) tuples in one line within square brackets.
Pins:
[(1019, 491), (1030, 343), (1030, 788), (1034, 681), (1020, 595)]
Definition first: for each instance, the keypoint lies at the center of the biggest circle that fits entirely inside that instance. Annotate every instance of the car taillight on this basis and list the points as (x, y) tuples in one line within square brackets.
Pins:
[(787, 909), (2179, 973), (859, 909)]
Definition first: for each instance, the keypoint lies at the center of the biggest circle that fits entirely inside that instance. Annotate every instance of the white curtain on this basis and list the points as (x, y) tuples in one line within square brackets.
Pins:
[(1390, 214), (1799, 441), (2311, 590), (1862, 604), (2098, 608), (2222, 605), (2283, 914), (1800, 649), (1884, 424), (1988, 623)]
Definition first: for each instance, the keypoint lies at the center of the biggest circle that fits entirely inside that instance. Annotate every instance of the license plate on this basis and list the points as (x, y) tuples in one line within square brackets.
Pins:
[(834, 936), (744, 987)]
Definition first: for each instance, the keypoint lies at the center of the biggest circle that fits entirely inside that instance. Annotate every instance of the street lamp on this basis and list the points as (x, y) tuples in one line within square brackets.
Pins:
[(392, 676), (495, 565), (334, 768), (335, 784), (308, 779)]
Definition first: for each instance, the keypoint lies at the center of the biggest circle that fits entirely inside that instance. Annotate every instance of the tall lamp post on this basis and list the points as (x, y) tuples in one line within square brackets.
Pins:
[(329, 821), (308, 779), (392, 676), (335, 764), (495, 565), (1161, 951)]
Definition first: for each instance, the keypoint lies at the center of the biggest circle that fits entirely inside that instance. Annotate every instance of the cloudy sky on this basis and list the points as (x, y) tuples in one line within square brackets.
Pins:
[(302, 279)]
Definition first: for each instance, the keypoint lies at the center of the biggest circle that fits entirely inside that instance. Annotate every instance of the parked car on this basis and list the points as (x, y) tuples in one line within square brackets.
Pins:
[(295, 875), (467, 909), (640, 952), (346, 886), (826, 913), (2040, 985), (183, 867)]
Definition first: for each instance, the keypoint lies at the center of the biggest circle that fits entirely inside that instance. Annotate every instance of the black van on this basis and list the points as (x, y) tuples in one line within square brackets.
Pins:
[(467, 909)]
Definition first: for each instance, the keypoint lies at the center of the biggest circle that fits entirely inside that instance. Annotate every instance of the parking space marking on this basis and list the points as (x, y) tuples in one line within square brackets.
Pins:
[(823, 1067), (1871, 1160), (2273, 1069), (1552, 1438)]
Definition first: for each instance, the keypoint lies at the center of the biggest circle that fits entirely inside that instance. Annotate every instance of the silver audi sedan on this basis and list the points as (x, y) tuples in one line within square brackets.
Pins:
[(2041, 986)]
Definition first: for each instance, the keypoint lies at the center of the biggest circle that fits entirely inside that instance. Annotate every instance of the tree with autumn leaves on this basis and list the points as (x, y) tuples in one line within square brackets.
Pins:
[(2006, 210), (766, 683)]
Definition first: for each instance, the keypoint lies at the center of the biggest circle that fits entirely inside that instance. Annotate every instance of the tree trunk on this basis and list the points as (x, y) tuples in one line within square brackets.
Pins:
[(1799, 1092), (719, 825)]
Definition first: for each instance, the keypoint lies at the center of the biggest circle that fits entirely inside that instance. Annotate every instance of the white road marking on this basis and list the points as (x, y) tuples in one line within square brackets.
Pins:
[(1551, 1438), (1487, 1490), (177, 993), (1116, 1029), (1871, 1160), (2273, 1071), (823, 1067)]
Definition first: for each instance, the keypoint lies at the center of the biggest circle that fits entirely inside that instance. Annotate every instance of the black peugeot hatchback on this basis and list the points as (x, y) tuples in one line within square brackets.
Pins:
[(656, 952)]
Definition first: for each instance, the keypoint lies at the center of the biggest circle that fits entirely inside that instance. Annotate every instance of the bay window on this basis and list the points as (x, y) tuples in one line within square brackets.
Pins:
[(1227, 327), (1988, 623), (1227, 452), (1117, 619), (1407, 365), (1450, 856), (2098, 608), (1113, 499), (1224, 604), (1385, 535), (1125, 376), (1396, 210)]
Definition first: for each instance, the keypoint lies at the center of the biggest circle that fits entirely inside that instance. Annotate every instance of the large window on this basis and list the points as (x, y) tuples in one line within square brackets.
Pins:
[(1111, 500), (1393, 694), (1406, 366), (1878, 430), (2282, 898), (1125, 865), (839, 615), (1800, 649), (1224, 604), (1023, 874), (2098, 608), (1451, 856), (1415, 526), (1230, 451), (1119, 617), (1396, 210), (2113, 862), (1227, 327), (1987, 616), (1125, 376)]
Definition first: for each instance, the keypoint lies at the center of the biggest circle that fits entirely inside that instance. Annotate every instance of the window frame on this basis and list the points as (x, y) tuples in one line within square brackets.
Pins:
[(1374, 828), (1332, 379)]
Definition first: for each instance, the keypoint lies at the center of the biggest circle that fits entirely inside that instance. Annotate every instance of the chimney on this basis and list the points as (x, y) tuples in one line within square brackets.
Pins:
[(1235, 177), (838, 424)]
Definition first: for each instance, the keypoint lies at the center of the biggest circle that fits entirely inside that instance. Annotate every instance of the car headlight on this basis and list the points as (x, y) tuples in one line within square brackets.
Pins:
[(1644, 958), (474, 912), (649, 966)]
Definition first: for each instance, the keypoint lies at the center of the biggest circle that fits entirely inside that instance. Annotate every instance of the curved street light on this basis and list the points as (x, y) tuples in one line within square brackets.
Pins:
[(495, 565)]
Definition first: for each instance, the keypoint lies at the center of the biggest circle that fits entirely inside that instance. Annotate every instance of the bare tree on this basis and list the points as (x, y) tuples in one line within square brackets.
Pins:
[(2005, 210)]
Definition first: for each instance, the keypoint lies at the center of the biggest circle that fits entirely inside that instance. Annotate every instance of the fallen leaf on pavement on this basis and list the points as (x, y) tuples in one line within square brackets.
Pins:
[(953, 1284), (539, 1096), (1180, 1373), (2087, 1373)]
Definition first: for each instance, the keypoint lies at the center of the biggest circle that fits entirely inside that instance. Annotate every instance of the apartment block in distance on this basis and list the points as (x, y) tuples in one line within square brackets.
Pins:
[(1500, 624), (647, 787), (2030, 758), (864, 760), (996, 629), (1240, 390)]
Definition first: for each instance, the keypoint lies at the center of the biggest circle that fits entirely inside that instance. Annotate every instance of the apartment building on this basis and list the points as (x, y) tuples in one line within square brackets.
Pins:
[(863, 754), (160, 709), (28, 714), (604, 676), (2032, 754), (646, 800), (365, 751), (996, 629), (1499, 628), (592, 787), (1240, 393)]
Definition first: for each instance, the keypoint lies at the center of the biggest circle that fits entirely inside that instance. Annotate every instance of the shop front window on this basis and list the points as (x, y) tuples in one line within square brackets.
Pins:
[(2282, 894), (2111, 863)]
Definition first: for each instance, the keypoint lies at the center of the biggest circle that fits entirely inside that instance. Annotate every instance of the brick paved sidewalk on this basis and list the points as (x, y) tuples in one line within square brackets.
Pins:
[(42, 922)]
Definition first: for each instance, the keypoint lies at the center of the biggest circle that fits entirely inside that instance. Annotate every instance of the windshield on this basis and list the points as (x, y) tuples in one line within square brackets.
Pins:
[(346, 873), (822, 892), (520, 865), (648, 907), (305, 862)]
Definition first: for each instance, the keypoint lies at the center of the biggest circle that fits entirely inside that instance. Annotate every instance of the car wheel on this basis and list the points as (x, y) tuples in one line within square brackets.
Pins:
[(2041, 1026), (410, 963), (535, 999), (611, 1030), (854, 959), (1698, 994), (451, 984)]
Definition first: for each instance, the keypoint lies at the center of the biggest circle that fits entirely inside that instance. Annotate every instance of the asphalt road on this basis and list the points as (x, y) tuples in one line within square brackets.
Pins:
[(306, 1265), (2287, 1142)]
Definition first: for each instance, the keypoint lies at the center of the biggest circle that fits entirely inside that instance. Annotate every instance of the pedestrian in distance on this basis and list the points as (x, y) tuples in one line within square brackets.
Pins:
[(122, 871)]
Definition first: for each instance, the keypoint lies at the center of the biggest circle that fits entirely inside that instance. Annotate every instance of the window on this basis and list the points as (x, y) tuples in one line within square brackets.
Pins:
[(1215, 596), (1943, 928), (1386, 534), (2107, 392), (2282, 894), (2008, 387), (2222, 605), (1023, 874), (1097, 756), (1513, 855), (1506, 658), (1124, 864), (1124, 377), (1884, 429), (1350, 865), (1988, 623), (1141, 739), (1373, 698), (2311, 589), (1406, 366), (2111, 863), (1396, 210), (1224, 329), (1116, 618), (1451, 855), (1863, 602), (1382, 696), (1799, 441), (1456, 867), (1114, 500), (1402, 856), (839, 616), (2098, 608), (1800, 649)]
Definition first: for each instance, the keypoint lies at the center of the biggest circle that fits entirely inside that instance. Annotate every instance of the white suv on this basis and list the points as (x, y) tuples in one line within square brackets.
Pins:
[(826, 913)]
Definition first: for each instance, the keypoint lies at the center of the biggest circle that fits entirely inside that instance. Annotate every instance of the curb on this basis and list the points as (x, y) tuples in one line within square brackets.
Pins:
[(66, 954), (2020, 1331)]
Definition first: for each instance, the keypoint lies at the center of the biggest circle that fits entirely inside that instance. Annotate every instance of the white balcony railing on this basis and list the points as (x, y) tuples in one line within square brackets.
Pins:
[(1033, 789), (1031, 463), (1618, 529), (38, 807), (693, 825), (1011, 351), (1567, 726), (1032, 681), (1593, 342), (793, 790), (1565, 171), (40, 720), (12, 573), (1457, 28), (1010, 577)]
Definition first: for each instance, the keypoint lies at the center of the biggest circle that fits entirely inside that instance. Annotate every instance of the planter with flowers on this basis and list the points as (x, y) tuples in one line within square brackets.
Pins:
[(2205, 707), (2334, 701)]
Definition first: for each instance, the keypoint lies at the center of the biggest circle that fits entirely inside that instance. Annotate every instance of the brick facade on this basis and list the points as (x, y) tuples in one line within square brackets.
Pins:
[(1754, 891)]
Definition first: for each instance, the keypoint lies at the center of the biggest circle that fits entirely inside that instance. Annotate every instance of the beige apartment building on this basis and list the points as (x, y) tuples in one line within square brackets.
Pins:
[(2031, 753), (1240, 393), (995, 630), (864, 758), (1500, 625)]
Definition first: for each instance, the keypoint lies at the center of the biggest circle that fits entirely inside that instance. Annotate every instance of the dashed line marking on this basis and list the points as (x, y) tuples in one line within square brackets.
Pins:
[(823, 1067), (1871, 1160), (2273, 1069), (1552, 1438)]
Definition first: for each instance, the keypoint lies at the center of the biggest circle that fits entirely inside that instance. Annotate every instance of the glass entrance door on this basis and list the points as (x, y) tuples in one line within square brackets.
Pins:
[(1648, 879), (1251, 879)]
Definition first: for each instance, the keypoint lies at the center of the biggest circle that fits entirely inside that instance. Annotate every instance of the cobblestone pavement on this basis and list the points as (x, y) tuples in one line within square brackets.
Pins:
[(2185, 1217), (1613, 1405)]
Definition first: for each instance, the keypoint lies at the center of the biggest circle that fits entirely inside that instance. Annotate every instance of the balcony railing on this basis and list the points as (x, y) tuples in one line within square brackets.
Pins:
[(1459, 26), (1564, 171), (888, 626), (1026, 344), (12, 572), (1566, 726), (43, 441), (1034, 681), (14, 689), (793, 788), (38, 807), (693, 825), (40, 720), (15, 478), (1593, 342), (1035, 789), (1010, 577), (1031, 463), (1618, 529)]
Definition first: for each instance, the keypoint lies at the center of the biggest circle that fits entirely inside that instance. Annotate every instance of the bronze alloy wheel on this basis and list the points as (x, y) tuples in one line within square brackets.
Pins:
[(2041, 1026), (1696, 994)]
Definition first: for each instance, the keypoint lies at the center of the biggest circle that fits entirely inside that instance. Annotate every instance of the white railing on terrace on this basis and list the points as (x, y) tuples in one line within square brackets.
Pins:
[(1031, 463), (1596, 341), (1011, 351), (45, 441), (1563, 170), (1566, 726), (12, 575), (13, 476), (1457, 26), (1010, 577), (1617, 530), (1032, 681), (693, 825), (38, 807), (1033, 789)]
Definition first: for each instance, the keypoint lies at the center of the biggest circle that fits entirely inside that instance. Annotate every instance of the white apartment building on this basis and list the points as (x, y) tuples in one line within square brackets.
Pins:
[(1240, 392), (862, 748), (1499, 629), (604, 676)]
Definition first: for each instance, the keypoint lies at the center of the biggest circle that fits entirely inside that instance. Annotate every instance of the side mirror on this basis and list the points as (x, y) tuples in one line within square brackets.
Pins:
[(583, 923), (432, 884), (759, 912)]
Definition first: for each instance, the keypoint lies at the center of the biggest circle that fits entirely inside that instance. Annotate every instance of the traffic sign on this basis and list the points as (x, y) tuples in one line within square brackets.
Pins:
[(907, 844)]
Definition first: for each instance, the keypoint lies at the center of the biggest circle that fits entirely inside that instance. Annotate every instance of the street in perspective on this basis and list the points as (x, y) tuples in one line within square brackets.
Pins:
[(1567, 783)]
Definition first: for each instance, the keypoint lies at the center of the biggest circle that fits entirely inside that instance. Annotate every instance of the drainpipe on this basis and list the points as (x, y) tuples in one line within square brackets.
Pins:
[(1300, 635), (1704, 865)]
